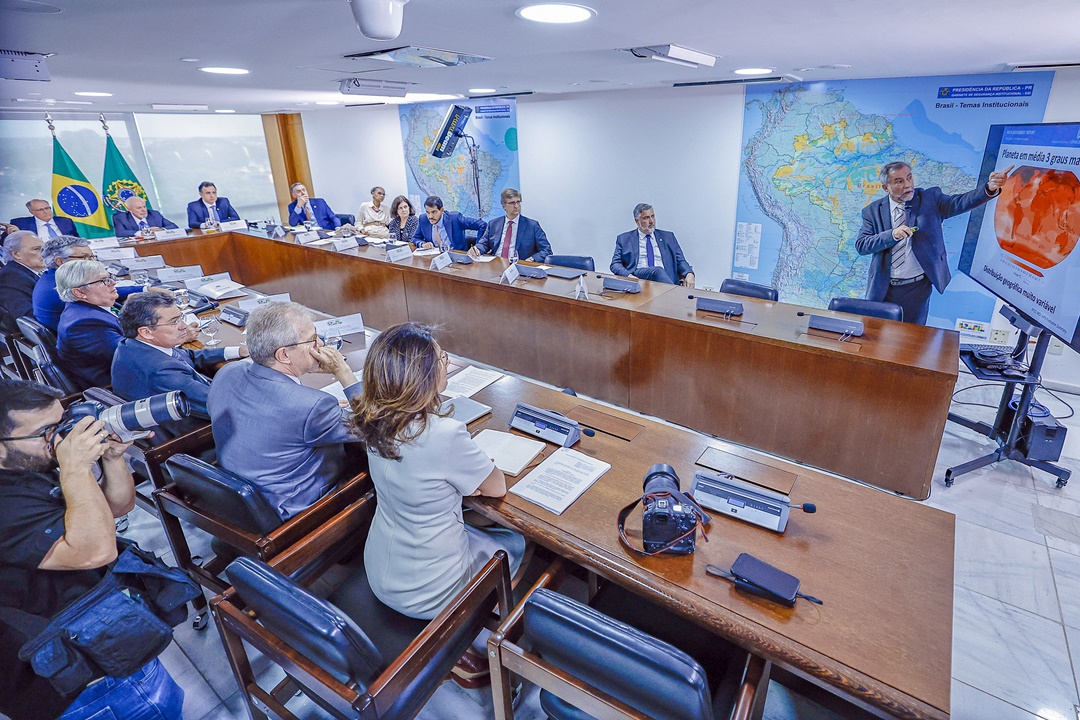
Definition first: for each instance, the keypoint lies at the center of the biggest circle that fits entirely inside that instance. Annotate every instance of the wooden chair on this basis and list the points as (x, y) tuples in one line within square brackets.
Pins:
[(350, 654), (237, 515), (745, 288)]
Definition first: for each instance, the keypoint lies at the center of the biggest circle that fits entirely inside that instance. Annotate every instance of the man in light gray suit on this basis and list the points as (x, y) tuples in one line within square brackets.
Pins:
[(282, 436)]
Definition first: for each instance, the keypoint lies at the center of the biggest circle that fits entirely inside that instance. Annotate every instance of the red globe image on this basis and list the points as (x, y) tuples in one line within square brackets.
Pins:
[(1037, 218)]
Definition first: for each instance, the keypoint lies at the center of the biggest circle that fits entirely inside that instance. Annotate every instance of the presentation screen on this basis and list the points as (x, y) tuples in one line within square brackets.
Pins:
[(1021, 246)]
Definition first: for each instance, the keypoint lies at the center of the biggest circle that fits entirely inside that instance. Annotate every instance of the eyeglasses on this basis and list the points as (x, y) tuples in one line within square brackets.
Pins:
[(106, 281), (45, 433), (91, 256), (317, 339), (512, 202), (177, 322), (444, 357)]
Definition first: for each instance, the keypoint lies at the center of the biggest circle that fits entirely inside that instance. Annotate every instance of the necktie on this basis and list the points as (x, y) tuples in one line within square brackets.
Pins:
[(506, 239), (143, 225), (307, 211), (212, 213), (435, 235), (52, 230), (650, 256), (904, 264)]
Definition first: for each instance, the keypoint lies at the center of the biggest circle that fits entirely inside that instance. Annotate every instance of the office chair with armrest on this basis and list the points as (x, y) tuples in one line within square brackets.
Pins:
[(580, 262), (586, 661), (37, 334), (869, 308), (47, 372), (350, 654), (346, 218), (240, 519), (17, 363), (745, 288)]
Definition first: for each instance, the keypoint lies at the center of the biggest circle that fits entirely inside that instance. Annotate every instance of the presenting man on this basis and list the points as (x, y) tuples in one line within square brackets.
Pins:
[(444, 230), (56, 538), (42, 222), (209, 210), (304, 208), (513, 236), (149, 360), (282, 436), (138, 221), (22, 254), (903, 233), (651, 254)]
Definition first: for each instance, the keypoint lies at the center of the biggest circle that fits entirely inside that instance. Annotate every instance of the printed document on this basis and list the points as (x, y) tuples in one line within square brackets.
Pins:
[(511, 453), (470, 381), (558, 481)]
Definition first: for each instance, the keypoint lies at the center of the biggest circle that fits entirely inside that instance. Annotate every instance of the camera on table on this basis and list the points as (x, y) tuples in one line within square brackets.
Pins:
[(670, 520), (130, 420)]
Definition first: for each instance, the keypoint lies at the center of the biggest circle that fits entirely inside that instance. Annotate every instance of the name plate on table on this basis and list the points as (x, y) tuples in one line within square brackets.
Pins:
[(234, 225), (510, 274), (344, 325), (172, 274), (170, 234), (148, 262), (307, 237), (346, 243), (252, 303), (111, 254), (222, 290), (440, 261), (197, 282), (581, 291), (106, 242), (399, 253)]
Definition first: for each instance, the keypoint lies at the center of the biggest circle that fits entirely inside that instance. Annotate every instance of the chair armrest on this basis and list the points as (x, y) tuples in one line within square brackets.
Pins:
[(190, 443), (754, 678), (552, 577), (325, 508), (341, 533), (170, 501)]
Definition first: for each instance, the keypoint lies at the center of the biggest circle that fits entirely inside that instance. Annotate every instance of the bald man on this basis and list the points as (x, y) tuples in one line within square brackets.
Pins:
[(138, 221)]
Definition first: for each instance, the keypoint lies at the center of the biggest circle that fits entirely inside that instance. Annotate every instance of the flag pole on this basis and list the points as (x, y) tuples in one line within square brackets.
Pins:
[(104, 124), (52, 128)]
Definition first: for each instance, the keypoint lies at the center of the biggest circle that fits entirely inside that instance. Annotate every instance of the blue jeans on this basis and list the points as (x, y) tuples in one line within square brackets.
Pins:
[(148, 694)]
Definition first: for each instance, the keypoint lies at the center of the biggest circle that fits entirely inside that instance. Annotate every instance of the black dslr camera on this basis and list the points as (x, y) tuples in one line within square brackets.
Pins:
[(670, 519), (131, 420)]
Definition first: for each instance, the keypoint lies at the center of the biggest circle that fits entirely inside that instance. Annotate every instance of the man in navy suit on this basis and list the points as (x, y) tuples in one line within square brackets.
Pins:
[(209, 210), (311, 209), (282, 436), (42, 222), (22, 253), (903, 233), (47, 303), (445, 230), (149, 360), (513, 236), (138, 221), (650, 254), (88, 332)]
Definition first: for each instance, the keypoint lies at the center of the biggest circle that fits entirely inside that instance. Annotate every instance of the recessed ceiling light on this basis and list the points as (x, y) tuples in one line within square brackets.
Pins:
[(482, 91), (560, 13), (326, 102), (225, 112), (224, 71), (804, 70), (753, 71), (189, 59), (93, 94)]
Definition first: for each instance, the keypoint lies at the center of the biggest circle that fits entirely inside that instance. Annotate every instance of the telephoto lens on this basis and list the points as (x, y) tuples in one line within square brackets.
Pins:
[(130, 420)]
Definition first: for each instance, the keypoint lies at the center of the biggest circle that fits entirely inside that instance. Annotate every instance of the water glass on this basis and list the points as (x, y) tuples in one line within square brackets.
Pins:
[(140, 277), (331, 339), (211, 327)]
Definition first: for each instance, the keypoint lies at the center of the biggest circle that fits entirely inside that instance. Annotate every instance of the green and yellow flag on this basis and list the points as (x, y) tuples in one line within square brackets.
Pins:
[(119, 182), (75, 198)]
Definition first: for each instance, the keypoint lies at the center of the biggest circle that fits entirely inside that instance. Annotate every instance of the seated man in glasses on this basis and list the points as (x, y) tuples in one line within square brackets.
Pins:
[(89, 330), (47, 303), (149, 360), (282, 436)]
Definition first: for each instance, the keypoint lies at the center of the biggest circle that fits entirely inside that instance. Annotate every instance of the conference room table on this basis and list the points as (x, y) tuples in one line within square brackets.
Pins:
[(882, 565), (872, 408)]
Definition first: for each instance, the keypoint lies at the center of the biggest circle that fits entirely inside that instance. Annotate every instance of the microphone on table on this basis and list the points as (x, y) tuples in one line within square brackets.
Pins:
[(805, 507), (588, 432)]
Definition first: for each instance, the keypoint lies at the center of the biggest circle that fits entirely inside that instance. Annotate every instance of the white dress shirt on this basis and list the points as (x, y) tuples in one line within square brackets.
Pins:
[(904, 263), (643, 252)]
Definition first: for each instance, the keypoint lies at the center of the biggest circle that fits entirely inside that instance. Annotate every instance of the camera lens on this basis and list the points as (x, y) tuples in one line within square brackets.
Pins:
[(144, 414)]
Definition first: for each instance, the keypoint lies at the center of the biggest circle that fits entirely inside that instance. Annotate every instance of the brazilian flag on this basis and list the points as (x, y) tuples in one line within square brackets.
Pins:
[(75, 198), (119, 182)]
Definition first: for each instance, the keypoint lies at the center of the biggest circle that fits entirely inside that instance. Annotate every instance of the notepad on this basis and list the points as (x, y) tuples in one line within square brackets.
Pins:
[(560, 480), (511, 453)]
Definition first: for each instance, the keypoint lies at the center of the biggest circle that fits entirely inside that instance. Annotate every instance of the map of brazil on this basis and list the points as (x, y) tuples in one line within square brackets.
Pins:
[(493, 125), (811, 156)]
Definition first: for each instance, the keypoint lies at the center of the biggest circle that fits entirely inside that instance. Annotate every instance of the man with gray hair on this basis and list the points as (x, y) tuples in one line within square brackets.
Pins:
[(138, 220), (47, 303), (269, 428), (903, 233), (89, 332), (22, 255), (651, 254), (42, 222)]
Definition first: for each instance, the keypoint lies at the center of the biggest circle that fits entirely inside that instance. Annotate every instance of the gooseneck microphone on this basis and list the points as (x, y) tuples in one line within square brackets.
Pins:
[(588, 432), (805, 507)]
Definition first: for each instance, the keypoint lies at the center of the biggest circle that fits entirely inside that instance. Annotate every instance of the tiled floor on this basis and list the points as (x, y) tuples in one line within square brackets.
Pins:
[(1016, 646)]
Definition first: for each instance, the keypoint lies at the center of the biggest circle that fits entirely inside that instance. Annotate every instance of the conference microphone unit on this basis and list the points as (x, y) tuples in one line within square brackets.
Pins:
[(846, 328), (715, 305), (617, 284), (741, 499)]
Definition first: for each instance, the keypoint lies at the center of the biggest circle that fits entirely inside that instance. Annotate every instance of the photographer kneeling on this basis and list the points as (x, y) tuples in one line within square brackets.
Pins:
[(56, 540)]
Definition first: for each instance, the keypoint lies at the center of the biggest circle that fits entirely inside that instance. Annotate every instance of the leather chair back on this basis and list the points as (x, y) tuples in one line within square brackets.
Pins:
[(346, 218), (749, 289), (581, 262), (37, 333), (223, 494), (647, 674), (50, 373), (312, 626), (869, 308)]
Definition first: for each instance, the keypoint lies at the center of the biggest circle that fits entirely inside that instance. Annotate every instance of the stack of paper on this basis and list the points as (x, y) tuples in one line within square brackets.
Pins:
[(560, 480), (470, 381), (511, 453)]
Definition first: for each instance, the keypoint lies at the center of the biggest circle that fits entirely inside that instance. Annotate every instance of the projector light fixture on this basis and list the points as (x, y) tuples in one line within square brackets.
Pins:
[(675, 54)]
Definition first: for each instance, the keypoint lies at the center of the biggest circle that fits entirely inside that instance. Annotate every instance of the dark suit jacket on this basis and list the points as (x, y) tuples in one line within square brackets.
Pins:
[(16, 294), (925, 211), (455, 223), (86, 340), (197, 213), (531, 242), (66, 226), (48, 307), (625, 259), (283, 437), (323, 214), (126, 226)]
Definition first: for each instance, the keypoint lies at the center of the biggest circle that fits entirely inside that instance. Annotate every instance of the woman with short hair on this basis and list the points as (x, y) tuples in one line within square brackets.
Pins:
[(373, 217), (403, 220)]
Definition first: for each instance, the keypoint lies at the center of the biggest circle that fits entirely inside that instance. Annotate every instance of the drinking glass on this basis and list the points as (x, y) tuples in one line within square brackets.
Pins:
[(331, 339), (211, 328), (140, 277), (181, 297)]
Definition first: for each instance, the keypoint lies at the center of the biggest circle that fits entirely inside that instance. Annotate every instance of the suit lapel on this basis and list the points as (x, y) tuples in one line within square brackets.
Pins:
[(884, 214)]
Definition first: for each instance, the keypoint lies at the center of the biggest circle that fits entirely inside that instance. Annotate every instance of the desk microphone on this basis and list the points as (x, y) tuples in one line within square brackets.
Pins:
[(800, 313), (805, 507), (727, 308), (589, 432)]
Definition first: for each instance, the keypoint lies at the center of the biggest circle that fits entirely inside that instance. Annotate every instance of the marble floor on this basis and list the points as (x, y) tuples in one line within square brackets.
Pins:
[(1016, 618)]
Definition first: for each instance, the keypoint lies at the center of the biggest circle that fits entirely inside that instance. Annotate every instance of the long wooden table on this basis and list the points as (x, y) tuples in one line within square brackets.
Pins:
[(872, 408)]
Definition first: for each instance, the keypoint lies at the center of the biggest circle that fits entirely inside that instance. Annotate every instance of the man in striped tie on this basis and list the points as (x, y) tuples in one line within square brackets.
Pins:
[(903, 233)]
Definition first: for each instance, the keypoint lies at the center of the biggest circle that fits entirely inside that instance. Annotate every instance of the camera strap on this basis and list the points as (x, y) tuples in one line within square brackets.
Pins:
[(625, 513)]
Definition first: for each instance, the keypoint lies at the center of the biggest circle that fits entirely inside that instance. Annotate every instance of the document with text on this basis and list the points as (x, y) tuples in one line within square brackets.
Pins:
[(511, 453), (470, 381), (560, 480)]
